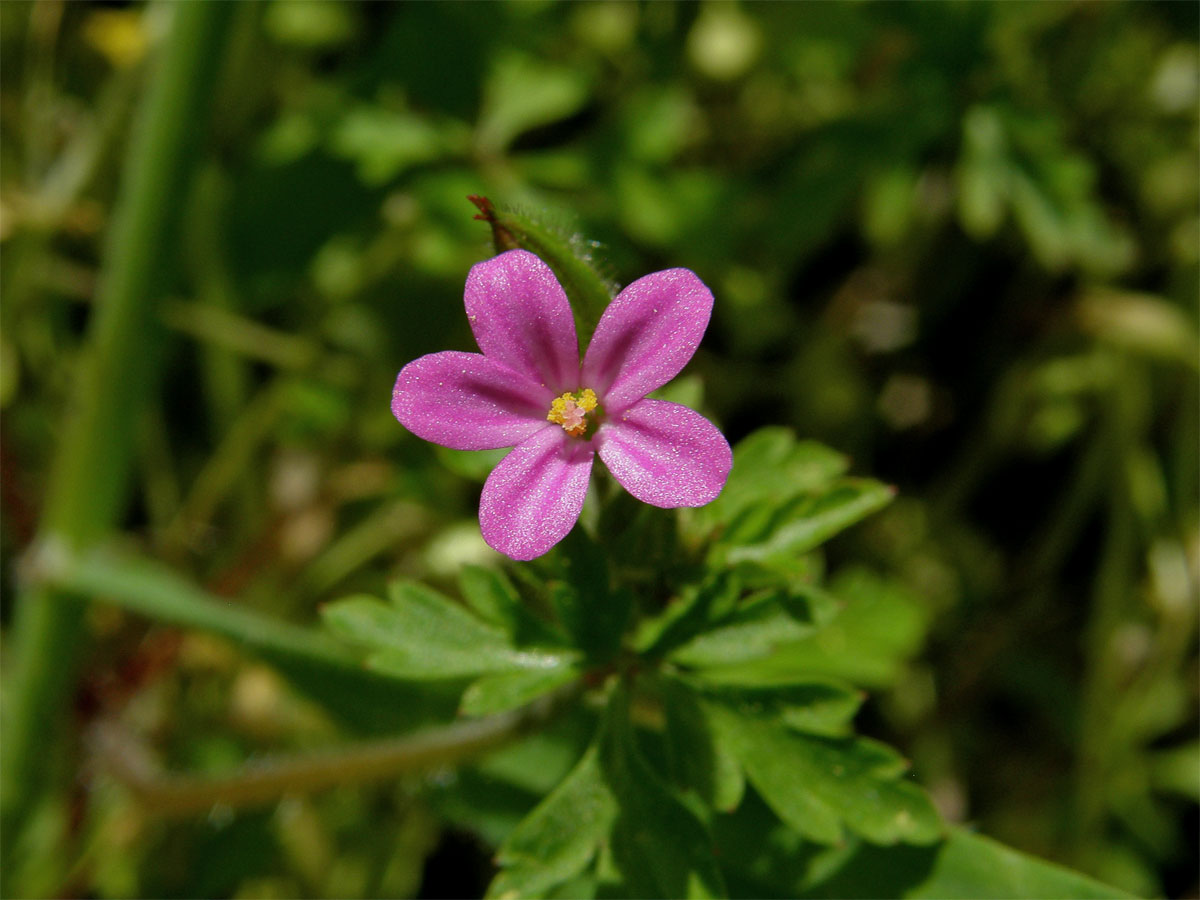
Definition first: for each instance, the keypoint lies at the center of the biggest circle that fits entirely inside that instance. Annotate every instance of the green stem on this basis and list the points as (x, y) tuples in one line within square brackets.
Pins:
[(88, 483), (1112, 593), (228, 461), (152, 590), (267, 780), (232, 333)]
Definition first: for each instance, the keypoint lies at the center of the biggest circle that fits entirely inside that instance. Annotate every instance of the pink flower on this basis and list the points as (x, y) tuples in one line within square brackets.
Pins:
[(528, 390)]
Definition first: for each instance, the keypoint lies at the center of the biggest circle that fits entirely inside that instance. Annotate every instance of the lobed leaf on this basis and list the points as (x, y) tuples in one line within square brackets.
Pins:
[(696, 759), (500, 691), (558, 840), (614, 809), (823, 786), (659, 845), (689, 615), (878, 624), (965, 866), (756, 630), (422, 634), (816, 706), (494, 599), (803, 523), (771, 466)]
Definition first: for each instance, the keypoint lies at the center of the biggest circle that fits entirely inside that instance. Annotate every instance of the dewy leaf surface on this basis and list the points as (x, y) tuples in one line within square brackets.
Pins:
[(820, 785)]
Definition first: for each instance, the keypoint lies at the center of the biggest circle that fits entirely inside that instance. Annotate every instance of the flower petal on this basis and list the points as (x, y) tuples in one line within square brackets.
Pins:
[(520, 316), (646, 336), (468, 402), (533, 497), (665, 454)]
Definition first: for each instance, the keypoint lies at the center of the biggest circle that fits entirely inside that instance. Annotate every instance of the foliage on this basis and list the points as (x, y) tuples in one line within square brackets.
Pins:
[(956, 243)]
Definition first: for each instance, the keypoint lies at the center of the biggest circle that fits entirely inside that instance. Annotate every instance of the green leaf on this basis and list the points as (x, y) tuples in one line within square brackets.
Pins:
[(316, 664), (383, 143), (660, 847), (492, 796), (425, 635), (820, 786), (1177, 769), (502, 691), (804, 523), (756, 630), (494, 599), (881, 624), (689, 615), (965, 866), (612, 801), (560, 837), (824, 707), (697, 760), (878, 626), (524, 92), (771, 466), (491, 595)]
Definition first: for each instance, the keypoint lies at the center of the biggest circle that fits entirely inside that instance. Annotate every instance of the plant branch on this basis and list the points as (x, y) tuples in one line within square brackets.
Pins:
[(267, 780)]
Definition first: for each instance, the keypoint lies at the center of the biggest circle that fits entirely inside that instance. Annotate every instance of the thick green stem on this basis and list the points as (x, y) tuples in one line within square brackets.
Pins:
[(88, 484)]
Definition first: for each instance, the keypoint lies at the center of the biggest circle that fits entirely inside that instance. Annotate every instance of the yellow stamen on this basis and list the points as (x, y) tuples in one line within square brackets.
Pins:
[(570, 411)]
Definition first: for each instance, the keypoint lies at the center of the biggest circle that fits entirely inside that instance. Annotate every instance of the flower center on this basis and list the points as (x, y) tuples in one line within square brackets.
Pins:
[(571, 412)]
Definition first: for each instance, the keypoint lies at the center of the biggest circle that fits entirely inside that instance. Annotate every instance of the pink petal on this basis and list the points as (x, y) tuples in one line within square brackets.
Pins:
[(533, 497), (468, 402), (665, 454), (646, 336), (521, 317)]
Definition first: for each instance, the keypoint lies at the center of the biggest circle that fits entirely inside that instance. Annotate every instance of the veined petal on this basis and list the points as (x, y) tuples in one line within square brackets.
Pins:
[(534, 496), (468, 402), (665, 454), (521, 317), (646, 336)]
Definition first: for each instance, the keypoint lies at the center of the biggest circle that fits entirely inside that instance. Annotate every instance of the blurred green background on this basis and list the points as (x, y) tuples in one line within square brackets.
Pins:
[(957, 241)]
